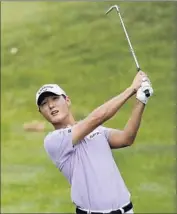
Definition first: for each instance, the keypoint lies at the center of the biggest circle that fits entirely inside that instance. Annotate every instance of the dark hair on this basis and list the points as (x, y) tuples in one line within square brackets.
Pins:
[(43, 96), (47, 94), (64, 96)]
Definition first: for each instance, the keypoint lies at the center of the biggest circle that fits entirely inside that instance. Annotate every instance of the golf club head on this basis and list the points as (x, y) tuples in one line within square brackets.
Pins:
[(112, 7)]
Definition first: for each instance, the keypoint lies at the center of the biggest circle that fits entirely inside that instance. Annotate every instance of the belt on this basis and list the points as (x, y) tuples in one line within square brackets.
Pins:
[(119, 211)]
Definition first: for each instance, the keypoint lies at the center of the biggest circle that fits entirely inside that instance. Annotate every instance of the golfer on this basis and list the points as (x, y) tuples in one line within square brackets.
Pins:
[(81, 150)]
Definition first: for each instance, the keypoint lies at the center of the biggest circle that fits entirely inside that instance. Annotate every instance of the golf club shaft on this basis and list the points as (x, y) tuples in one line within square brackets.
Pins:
[(130, 45)]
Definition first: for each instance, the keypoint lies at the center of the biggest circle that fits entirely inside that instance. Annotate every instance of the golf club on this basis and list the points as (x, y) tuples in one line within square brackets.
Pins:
[(130, 45)]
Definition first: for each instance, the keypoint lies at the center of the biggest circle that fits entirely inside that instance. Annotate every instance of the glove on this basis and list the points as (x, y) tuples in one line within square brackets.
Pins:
[(140, 95)]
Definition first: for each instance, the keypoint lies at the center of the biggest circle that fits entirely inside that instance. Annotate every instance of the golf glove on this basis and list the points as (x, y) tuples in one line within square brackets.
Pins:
[(140, 95)]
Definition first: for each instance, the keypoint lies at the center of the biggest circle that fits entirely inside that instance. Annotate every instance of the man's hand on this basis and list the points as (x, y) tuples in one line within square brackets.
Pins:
[(146, 84), (100, 115), (136, 84)]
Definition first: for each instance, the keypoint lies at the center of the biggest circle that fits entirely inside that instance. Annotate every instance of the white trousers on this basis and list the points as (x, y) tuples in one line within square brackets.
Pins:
[(130, 211)]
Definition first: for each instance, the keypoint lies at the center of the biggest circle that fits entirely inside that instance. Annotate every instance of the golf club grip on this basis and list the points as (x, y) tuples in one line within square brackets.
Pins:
[(146, 91)]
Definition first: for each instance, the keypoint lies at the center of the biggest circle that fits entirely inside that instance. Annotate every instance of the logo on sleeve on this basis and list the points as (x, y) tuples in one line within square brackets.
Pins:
[(69, 130), (93, 134)]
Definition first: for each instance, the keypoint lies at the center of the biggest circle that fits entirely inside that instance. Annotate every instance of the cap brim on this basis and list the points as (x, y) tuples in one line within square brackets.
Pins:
[(45, 94)]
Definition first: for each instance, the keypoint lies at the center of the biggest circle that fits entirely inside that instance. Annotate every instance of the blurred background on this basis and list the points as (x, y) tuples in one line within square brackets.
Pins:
[(76, 46)]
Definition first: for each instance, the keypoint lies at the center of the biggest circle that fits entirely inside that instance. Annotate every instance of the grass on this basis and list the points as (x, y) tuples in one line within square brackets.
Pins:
[(75, 45)]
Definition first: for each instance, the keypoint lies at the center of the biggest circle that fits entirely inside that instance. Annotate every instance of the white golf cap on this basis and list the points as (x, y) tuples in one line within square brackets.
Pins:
[(53, 88)]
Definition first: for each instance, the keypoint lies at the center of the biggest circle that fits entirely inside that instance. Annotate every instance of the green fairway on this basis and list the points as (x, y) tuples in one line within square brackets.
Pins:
[(76, 46)]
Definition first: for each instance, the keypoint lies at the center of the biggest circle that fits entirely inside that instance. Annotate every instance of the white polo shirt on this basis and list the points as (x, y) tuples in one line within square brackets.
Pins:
[(89, 166)]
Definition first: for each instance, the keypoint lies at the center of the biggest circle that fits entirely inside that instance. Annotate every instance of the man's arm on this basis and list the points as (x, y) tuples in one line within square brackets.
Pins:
[(100, 115), (105, 111), (126, 137)]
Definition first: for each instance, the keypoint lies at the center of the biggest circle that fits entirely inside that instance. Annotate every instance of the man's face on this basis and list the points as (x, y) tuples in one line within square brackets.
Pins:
[(54, 108)]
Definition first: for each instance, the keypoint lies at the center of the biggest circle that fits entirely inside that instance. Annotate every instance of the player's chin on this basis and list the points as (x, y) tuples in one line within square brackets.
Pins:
[(56, 119)]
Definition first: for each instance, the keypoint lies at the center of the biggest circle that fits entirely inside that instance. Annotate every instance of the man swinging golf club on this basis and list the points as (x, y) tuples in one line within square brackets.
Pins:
[(82, 150)]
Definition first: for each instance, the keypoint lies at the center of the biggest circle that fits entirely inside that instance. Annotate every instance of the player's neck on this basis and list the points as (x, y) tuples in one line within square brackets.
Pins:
[(68, 122)]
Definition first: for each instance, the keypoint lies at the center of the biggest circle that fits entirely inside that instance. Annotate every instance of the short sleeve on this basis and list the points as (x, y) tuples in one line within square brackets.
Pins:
[(105, 131), (58, 144)]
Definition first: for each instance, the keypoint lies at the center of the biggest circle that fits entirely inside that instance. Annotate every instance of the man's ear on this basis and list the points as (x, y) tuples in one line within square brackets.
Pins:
[(68, 100)]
